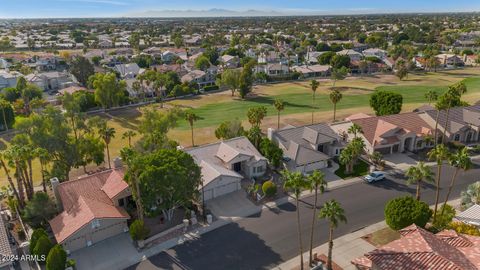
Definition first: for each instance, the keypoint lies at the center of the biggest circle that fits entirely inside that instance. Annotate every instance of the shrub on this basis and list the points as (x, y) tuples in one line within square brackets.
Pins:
[(442, 221), (138, 231), (461, 227), (71, 263), (404, 211), (42, 247), (35, 236), (269, 188), (57, 258), (210, 88)]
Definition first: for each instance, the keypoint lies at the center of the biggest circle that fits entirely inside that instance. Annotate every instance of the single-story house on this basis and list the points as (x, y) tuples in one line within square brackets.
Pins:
[(450, 60), (92, 209), (391, 133), (354, 55), (470, 216), (463, 123), (376, 52), (228, 61), (5, 248), (418, 248), (307, 148), (9, 79), (128, 71), (224, 164), (313, 70)]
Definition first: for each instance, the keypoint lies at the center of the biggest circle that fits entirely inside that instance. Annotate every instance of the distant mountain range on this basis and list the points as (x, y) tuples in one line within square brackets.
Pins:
[(215, 12)]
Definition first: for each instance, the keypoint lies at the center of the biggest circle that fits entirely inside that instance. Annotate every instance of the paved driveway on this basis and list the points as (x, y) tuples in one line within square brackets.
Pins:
[(235, 204), (399, 161), (113, 253)]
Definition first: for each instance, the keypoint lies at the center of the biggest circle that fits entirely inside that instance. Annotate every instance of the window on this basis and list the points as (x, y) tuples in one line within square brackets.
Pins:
[(259, 169), (457, 137), (121, 202), (254, 169), (336, 151)]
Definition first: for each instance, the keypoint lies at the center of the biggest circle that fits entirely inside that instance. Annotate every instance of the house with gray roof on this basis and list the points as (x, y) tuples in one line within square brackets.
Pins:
[(307, 148), (224, 164), (462, 125)]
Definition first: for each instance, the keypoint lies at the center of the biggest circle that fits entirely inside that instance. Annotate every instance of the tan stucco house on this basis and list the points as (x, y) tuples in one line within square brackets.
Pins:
[(224, 164), (92, 209)]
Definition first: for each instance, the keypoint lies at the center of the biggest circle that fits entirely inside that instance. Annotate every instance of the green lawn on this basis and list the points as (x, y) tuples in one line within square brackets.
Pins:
[(213, 114), (360, 169)]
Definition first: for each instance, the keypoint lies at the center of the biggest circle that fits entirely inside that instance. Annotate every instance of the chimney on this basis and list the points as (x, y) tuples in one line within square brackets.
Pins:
[(55, 183), (117, 163)]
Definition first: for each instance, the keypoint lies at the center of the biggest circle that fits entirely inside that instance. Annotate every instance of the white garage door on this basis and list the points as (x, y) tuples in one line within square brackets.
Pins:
[(225, 189)]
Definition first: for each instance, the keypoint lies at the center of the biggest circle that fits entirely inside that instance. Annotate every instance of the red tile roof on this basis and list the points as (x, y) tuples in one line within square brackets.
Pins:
[(420, 249), (375, 128), (86, 199)]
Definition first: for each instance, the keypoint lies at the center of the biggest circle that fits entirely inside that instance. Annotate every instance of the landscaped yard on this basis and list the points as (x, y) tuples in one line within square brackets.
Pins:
[(382, 237), (217, 107), (359, 169)]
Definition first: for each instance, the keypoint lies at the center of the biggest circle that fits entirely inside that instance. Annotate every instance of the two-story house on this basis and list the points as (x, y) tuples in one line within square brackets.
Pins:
[(224, 164), (307, 148), (93, 209)]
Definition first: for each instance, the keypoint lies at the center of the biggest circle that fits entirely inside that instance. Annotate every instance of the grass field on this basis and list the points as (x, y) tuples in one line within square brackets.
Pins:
[(217, 107)]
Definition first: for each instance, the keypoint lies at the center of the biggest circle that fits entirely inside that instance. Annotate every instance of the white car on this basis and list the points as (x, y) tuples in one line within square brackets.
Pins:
[(374, 177)]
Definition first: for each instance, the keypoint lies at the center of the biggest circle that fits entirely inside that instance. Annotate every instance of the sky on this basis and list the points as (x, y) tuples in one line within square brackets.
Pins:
[(116, 8)]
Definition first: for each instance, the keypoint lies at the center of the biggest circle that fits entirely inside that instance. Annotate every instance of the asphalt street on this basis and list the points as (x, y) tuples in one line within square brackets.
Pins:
[(270, 237)]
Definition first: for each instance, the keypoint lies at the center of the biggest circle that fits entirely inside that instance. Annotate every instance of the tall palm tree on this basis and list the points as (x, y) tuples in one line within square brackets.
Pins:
[(191, 118), (452, 97), (279, 106), (355, 129), (107, 134), (335, 97), (4, 104), (418, 174), (460, 161), (313, 85), (3, 156), (439, 154), (317, 183), (334, 213), (129, 134), (295, 182), (43, 156)]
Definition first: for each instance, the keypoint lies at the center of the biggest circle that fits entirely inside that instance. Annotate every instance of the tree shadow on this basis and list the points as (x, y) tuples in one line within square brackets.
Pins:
[(392, 185), (240, 249)]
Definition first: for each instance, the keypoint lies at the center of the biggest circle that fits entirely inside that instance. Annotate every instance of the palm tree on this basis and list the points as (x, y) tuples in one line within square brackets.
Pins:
[(439, 154), (346, 159), (129, 134), (295, 182), (355, 129), (335, 97), (461, 161), (451, 99), (317, 183), (279, 106), (107, 134), (431, 96), (418, 174), (334, 213), (313, 85), (43, 155), (191, 118), (4, 104), (471, 195), (3, 156)]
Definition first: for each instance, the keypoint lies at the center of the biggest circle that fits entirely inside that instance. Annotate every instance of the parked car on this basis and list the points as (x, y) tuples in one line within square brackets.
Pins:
[(374, 177)]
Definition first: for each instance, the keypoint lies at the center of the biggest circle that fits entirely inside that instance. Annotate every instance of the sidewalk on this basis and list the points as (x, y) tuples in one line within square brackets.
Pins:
[(347, 247)]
